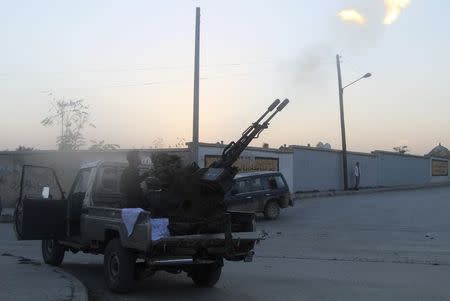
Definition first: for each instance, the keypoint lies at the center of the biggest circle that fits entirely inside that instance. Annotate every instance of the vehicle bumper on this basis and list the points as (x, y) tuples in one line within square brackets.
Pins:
[(211, 238), (239, 247)]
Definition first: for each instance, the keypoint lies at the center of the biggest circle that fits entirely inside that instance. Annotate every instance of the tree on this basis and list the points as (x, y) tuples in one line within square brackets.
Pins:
[(158, 143), (181, 142), (102, 146), (72, 116), (23, 148), (401, 149), (323, 145)]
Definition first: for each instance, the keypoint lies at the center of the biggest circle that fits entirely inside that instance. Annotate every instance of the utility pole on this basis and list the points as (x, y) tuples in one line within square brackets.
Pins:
[(196, 87), (341, 106)]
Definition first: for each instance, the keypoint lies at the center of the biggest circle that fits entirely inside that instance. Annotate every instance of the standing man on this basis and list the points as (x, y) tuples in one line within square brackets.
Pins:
[(130, 182), (357, 174)]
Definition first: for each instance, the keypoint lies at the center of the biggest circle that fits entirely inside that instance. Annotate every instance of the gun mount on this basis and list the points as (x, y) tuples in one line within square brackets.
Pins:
[(220, 174), (199, 192), (234, 149)]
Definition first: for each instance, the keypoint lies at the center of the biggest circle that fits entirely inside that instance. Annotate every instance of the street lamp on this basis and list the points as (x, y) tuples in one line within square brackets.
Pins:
[(341, 106), (367, 75)]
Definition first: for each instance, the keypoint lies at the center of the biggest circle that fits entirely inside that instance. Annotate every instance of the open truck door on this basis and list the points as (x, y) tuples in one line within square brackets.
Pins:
[(41, 209)]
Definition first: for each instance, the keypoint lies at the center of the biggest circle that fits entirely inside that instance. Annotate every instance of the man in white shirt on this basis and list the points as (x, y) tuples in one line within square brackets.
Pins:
[(357, 174)]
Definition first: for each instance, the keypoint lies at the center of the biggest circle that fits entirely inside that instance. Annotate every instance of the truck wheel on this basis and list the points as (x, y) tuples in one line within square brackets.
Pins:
[(52, 252), (205, 275), (272, 210), (119, 267)]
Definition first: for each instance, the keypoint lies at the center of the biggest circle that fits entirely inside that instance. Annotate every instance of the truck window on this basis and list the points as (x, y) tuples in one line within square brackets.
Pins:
[(280, 181), (256, 184), (109, 179), (271, 183), (239, 186), (36, 179), (274, 182), (82, 181), (248, 185)]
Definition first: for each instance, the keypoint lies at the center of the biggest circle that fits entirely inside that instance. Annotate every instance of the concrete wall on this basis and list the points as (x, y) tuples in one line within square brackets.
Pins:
[(321, 169), (305, 168), (316, 169), (397, 169), (10, 170), (368, 164)]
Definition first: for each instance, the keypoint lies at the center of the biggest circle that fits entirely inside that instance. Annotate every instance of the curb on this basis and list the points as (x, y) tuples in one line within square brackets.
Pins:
[(309, 195), (79, 290)]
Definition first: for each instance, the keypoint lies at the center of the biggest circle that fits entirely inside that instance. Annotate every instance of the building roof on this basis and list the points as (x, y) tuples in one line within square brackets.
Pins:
[(439, 151)]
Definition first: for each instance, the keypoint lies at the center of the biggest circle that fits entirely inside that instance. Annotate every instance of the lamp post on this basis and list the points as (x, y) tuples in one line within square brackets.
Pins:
[(341, 106)]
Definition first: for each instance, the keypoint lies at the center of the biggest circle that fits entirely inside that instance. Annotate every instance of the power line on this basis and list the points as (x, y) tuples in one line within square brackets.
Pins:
[(150, 68), (163, 82), (261, 72)]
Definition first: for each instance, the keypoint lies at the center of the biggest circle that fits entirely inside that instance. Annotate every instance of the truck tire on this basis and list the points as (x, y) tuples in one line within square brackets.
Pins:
[(119, 266), (272, 210), (52, 252), (205, 275)]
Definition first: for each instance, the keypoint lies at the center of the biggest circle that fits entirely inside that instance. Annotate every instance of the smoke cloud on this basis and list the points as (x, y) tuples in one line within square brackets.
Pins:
[(352, 15), (393, 10), (353, 31)]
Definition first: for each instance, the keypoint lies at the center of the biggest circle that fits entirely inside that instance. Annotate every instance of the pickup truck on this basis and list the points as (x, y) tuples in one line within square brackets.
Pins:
[(90, 220)]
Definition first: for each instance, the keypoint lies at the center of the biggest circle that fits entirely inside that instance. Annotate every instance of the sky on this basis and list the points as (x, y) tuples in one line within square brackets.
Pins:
[(132, 63)]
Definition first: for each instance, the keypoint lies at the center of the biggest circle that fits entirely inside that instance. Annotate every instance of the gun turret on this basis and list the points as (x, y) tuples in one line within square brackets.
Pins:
[(219, 176), (234, 149)]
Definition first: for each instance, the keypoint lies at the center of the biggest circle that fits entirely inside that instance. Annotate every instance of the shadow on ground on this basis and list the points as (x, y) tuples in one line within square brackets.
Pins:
[(161, 286)]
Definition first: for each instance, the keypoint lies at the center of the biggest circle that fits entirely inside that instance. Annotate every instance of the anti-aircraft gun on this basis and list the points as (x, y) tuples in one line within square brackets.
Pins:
[(198, 193), (219, 176), (202, 232)]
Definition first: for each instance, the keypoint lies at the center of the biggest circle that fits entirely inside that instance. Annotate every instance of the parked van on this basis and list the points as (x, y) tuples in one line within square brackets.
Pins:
[(259, 192)]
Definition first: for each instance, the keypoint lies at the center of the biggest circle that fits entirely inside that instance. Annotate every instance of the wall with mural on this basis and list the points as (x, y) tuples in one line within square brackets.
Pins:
[(252, 159)]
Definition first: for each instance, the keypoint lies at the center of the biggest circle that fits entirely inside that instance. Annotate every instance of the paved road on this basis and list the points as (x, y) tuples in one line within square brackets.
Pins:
[(387, 246)]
